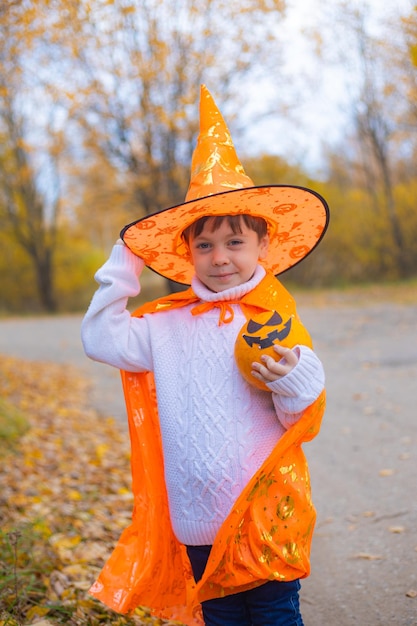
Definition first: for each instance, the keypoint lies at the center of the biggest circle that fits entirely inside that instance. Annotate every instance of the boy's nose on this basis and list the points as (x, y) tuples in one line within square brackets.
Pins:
[(220, 257)]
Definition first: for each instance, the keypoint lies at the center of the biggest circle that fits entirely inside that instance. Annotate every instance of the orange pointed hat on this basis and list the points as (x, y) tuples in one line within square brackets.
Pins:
[(297, 218)]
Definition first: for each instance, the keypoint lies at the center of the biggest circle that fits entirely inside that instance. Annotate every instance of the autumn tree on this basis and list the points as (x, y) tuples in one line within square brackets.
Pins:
[(378, 119), (375, 146), (142, 65), (32, 141)]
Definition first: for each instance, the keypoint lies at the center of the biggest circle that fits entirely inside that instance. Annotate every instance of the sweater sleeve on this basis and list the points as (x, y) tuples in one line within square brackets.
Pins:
[(293, 393), (109, 334)]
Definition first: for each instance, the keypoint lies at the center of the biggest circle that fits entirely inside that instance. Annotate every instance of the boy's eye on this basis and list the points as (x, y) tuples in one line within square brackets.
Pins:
[(235, 242), (202, 246)]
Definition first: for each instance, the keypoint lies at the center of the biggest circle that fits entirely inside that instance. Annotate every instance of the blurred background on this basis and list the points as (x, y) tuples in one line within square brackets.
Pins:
[(99, 117)]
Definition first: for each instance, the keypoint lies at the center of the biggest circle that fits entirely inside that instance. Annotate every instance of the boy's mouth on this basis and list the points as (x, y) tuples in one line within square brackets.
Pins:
[(222, 275)]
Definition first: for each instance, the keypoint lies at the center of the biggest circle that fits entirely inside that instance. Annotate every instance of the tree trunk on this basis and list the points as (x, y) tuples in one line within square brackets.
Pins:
[(44, 275)]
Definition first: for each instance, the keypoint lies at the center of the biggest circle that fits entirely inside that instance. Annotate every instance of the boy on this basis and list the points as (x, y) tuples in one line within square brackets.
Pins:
[(219, 479)]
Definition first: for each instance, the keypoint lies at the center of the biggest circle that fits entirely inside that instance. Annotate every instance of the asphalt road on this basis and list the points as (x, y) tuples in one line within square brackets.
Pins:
[(363, 463)]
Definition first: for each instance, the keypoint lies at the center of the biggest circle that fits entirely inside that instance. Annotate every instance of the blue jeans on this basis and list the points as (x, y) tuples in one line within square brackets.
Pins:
[(272, 604)]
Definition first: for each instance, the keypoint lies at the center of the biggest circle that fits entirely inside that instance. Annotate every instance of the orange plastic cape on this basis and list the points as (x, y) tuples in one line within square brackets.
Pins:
[(266, 536)]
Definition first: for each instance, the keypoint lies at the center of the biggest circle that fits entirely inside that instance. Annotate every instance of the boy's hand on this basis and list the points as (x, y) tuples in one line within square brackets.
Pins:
[(269, 369)]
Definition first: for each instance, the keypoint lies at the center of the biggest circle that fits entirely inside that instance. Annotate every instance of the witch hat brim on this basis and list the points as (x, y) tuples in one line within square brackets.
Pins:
[(297, 217)]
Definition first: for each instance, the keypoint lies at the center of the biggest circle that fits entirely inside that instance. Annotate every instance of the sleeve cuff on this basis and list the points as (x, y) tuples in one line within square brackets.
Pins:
[(294, 392), (120, 265)]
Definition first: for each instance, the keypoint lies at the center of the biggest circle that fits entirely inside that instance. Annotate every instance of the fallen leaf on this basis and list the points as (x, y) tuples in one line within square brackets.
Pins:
[(396, 529), (61, 540), (58, 582), (37, 611), (368, 410), (84, 585), (386, 472), (367, 556), (412, 593)]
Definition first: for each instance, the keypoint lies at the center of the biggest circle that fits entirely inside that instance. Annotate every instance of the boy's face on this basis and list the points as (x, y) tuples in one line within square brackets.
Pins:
[(223, 259)]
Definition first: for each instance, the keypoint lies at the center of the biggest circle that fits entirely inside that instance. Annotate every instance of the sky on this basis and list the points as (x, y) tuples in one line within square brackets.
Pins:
[(319, 117)]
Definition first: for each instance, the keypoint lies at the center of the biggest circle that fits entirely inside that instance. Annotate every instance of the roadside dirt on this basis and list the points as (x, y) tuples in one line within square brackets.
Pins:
[(363, 463)]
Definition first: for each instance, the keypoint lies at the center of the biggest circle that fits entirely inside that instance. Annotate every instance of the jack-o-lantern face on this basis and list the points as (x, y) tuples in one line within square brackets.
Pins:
[(259, 335)]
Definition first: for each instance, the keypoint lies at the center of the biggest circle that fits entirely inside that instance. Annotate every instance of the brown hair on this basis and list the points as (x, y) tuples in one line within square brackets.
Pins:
[(257, 224)]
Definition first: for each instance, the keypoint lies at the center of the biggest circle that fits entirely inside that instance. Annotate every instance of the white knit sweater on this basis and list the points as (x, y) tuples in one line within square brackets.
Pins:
[(216, 429)]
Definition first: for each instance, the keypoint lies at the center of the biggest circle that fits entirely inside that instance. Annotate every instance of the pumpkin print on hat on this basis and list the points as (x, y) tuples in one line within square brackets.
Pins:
[(259, 335)]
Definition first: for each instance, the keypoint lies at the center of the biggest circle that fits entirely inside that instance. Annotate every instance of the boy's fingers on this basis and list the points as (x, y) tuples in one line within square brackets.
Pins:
[(287, 353), (270, 370)]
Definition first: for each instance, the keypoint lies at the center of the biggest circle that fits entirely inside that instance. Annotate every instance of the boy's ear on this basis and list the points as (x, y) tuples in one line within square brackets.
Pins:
[(263, 247)]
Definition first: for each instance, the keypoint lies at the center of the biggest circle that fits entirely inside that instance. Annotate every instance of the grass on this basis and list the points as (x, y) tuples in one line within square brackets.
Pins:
[(23, 571), (28, 570)]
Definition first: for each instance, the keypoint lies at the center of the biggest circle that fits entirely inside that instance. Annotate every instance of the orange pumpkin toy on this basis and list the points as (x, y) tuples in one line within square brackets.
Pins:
[(259, 335)]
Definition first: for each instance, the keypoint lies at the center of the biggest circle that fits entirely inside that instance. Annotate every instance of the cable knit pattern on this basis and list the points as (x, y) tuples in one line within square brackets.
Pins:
[(216, 429)]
